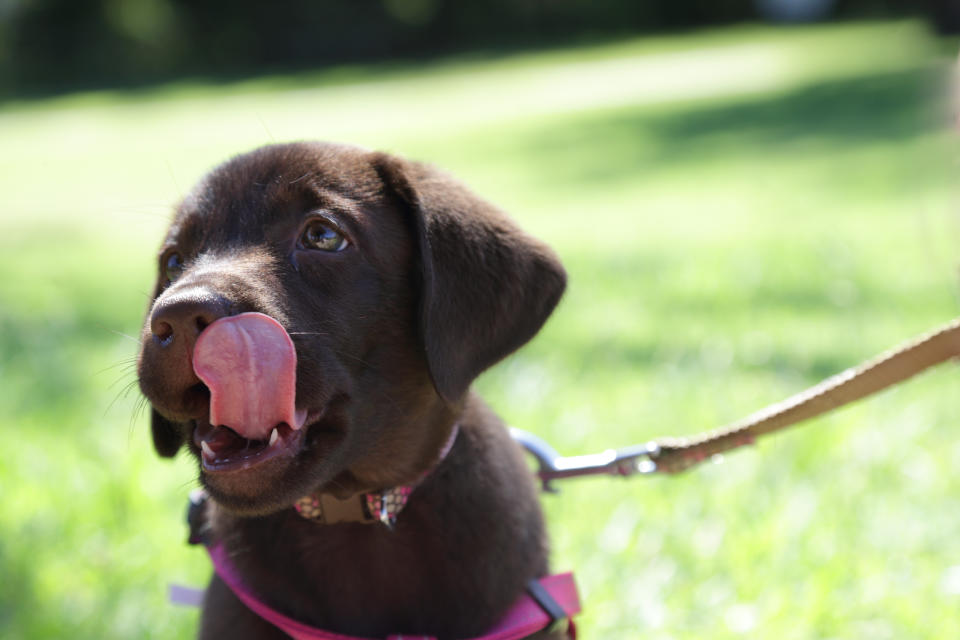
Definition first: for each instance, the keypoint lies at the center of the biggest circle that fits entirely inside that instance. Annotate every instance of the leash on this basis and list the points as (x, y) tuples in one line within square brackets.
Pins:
[(672, 455)]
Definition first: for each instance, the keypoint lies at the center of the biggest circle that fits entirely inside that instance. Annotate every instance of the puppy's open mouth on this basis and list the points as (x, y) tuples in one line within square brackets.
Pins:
[(223, 449)]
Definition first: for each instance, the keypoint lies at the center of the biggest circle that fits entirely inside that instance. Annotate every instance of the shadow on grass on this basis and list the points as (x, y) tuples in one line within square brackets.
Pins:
[(889, 106), (633, 144)]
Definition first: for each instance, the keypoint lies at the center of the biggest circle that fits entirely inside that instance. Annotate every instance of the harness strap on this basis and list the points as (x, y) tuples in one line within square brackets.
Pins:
[(526, 616), (677, 454)]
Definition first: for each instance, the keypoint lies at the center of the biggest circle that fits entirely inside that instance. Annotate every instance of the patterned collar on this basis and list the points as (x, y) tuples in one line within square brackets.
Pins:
[(376, 506)]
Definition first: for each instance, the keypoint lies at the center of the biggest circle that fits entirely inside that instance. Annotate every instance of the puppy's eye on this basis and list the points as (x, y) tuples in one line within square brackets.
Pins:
[(172, 266), (323, 236)]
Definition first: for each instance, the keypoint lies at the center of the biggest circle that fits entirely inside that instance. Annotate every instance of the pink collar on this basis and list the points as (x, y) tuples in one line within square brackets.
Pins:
[(528, 615)]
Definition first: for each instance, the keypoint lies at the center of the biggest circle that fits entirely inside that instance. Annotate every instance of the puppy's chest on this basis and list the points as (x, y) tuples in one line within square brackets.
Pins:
[(336, 576), (325, 559)]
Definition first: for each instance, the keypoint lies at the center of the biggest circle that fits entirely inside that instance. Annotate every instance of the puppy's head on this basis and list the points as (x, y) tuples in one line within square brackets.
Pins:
[(319, 315)]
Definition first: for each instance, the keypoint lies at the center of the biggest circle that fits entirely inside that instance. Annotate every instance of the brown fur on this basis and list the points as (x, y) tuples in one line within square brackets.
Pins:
[(436, 286)]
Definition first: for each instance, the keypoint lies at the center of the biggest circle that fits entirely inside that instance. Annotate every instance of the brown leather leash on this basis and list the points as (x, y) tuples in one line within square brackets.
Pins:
[(672, 455)]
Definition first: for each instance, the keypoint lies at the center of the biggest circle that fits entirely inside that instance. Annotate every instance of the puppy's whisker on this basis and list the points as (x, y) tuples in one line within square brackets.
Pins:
[(130, 387), (173, 178), (135, 415), (267, 130), (350, 356), (189, 484), (139, 407), (127, 368), (306, 175), (147, 295), (123, 393), (128, 364), (120, 380), (122, 334)]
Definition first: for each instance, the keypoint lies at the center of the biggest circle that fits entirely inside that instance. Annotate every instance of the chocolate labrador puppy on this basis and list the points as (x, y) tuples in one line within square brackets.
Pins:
[(319, 316)]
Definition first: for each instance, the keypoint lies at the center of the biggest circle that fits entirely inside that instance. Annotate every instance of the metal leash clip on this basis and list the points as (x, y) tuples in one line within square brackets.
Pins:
[(613, 462), (672, 455)]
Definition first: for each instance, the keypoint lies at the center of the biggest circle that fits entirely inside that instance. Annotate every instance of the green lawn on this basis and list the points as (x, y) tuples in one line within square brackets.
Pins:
[(742, 212)]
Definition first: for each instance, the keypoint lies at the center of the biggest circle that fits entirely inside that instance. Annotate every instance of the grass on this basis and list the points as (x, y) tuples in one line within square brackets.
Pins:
[(742, 212)]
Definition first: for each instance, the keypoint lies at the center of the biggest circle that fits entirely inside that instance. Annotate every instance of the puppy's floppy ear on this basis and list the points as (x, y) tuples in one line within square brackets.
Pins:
[(487, 287), (167, 438)]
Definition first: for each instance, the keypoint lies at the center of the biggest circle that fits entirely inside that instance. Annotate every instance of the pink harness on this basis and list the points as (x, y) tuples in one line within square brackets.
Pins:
[(527, 616)]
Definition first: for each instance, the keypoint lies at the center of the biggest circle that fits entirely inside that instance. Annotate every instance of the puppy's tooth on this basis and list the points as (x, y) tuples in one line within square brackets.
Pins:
[(274, 436), (207, 450)]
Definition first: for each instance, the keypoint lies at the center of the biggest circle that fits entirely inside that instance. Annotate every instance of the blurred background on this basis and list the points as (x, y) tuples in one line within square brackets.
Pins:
[(748, 195)]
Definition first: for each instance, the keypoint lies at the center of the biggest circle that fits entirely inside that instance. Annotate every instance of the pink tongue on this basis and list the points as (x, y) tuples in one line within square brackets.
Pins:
[(250, 366)]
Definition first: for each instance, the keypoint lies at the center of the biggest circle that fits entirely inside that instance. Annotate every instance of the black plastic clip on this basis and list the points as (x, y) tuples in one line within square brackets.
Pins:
[(558, 617)]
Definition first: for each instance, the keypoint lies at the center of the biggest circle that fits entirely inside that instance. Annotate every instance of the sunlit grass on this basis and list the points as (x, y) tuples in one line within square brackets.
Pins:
[(742, 212)]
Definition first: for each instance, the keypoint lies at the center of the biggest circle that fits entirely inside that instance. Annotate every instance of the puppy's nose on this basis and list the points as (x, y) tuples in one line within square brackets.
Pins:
[(180, 318)]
